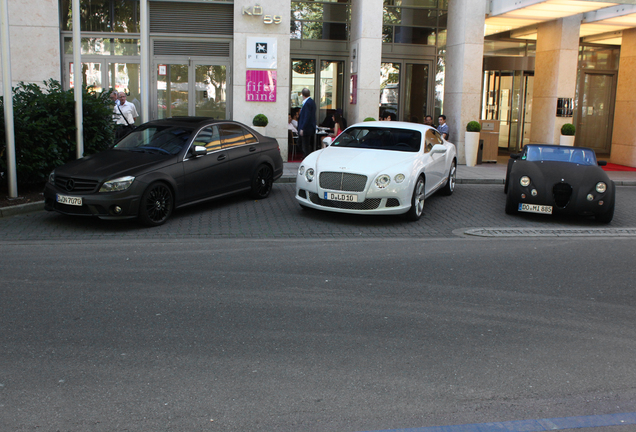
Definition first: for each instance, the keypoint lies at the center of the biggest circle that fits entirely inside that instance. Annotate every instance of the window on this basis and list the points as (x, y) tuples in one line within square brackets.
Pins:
[(232, 135), (432, 138), (210, 138), (417, 22), (320, 19), (118, 16)]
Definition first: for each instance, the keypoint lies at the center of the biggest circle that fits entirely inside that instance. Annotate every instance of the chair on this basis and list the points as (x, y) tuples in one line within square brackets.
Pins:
[(292, 144)]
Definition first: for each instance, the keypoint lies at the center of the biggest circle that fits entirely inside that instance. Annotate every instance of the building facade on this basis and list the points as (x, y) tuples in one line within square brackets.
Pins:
[(524, 67)]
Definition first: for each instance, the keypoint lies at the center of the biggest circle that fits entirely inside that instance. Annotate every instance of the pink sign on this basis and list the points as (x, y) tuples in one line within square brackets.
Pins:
[(260, 86)]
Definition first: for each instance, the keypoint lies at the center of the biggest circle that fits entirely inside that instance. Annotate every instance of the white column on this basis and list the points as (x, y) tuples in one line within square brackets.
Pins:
[(245, 26), (624, 132), (464, 64), (554, 76), (366, 39)]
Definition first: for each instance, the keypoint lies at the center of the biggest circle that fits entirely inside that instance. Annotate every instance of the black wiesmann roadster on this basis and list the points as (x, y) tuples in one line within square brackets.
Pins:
[(551, 179), (163, 165)]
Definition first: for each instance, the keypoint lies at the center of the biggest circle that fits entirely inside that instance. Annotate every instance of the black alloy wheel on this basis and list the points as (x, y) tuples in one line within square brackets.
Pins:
[(262, 181), (156, 204)]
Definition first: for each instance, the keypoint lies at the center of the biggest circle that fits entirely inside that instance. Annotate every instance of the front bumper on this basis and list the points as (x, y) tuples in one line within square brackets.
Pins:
[(112, 205), (578, 203)]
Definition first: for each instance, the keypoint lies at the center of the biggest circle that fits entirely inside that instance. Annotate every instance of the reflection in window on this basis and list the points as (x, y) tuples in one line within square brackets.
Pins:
[(120, 16), (389, 89), (303, 75), (325, 20), (232, 135), (209, 138)]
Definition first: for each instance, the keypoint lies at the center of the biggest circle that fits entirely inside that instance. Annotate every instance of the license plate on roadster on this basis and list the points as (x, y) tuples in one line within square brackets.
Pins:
[(69, 200), (535, 208), (341, 197)]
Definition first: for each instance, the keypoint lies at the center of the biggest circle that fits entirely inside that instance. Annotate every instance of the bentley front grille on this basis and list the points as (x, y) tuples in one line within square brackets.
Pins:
[(343, 181), (562, 193), (77, 185), (370, 204)]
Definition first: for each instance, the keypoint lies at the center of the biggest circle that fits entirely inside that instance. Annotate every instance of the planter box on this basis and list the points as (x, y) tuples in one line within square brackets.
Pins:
[(471, 143), (566, 140), (260, 129)]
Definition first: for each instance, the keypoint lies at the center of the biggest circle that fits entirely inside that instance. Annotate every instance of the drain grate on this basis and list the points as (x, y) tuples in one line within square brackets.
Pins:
[(551, 232)]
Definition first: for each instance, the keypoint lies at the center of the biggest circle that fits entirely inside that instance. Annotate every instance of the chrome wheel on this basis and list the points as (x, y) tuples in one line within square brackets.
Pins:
[(417, 201), (452, 180)]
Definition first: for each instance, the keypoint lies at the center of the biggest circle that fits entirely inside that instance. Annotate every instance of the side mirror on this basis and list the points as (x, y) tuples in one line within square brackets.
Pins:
[(198, 150), (438, 148), (515, 155), (602, 163)]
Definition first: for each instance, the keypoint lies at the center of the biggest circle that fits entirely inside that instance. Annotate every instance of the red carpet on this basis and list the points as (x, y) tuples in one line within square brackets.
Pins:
[(614, 167)]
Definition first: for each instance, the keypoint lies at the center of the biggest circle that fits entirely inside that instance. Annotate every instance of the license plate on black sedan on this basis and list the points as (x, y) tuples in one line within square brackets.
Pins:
[(535, 208), (341, 197), (69, 200)]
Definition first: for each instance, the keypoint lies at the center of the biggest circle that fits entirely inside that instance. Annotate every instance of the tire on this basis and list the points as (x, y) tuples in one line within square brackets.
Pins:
[(609, 213), (511, 205), (417, 201), (157, 203), (262, 182), (452, 180)]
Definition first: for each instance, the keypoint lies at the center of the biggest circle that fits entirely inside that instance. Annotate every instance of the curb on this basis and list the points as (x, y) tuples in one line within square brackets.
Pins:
[(21, 209)]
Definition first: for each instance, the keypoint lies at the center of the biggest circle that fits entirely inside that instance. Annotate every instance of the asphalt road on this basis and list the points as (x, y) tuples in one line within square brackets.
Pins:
[(257, 316)]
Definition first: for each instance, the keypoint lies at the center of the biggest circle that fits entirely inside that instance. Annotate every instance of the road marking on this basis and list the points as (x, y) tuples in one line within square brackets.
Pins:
[(551, 232), (581, 422)]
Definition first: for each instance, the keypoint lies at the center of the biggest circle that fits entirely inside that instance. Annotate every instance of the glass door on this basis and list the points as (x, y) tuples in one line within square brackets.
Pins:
[(595, 111), (191, 88)]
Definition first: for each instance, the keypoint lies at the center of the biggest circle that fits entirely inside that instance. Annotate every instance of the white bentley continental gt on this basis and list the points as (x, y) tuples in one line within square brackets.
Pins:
[(378, 168)]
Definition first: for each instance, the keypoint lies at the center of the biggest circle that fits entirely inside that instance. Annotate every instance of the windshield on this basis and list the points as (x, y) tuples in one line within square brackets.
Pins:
[(156, 139), (379, 138), (581, 156)]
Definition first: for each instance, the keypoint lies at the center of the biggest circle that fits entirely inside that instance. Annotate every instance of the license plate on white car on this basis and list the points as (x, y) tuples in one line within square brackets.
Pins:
[(69, 200), (341, 197), (535, 208)]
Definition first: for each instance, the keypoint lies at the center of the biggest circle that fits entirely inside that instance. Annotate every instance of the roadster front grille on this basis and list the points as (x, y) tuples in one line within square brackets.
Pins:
[(342, 181), (369, 204), (73, 184), (562, 193)]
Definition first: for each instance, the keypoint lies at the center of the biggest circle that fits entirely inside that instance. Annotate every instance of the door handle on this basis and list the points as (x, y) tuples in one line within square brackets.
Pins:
[(252, 149), (221, 157)]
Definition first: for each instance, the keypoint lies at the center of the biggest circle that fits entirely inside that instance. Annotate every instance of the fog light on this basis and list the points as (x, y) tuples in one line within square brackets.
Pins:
[(523, 196), (590, 197), (117, 210), (534, 192), (600, 203)]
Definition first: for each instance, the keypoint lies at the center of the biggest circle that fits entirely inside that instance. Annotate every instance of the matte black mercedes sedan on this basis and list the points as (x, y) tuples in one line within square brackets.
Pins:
[(163, 165)]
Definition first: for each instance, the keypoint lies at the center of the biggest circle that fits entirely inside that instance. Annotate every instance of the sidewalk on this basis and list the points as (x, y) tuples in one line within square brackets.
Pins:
[(488, 173)]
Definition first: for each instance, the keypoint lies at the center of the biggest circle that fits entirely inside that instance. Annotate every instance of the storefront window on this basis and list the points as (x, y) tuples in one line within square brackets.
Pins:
[(600, 58), (119, 16), (104, 46), (389, 89), (320, 20), (416, 22)]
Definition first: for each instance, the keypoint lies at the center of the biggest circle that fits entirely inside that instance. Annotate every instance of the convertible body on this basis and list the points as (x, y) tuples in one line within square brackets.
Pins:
[(551, 179)]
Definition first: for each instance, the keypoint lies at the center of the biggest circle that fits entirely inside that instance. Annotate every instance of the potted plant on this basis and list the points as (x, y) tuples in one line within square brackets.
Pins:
[(567, 135), (369, 119), (471, 142), (259, 123)]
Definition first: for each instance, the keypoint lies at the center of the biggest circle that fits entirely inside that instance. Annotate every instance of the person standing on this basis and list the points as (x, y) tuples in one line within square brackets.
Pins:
[(307, 123), (125, 114), (428, 120), (443, 127)]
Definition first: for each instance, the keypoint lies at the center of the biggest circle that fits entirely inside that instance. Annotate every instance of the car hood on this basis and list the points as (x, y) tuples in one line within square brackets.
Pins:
[(112, 163), (552, 172), (360, 160)]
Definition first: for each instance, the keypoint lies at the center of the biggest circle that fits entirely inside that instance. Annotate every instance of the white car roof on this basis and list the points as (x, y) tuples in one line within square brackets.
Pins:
[(394, 125)]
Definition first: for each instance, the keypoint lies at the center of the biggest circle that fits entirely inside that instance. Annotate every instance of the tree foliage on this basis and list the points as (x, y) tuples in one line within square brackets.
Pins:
[(44, 127)]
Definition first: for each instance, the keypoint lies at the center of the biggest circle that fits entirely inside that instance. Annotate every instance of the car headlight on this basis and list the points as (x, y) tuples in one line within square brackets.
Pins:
[(52, 177), (524, 181), (382, 181), (309, 174), (601, 187), (399, 178), (301, 170), (118, 184)]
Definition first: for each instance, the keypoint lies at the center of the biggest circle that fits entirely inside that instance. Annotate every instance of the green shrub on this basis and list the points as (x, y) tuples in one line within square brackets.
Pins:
[(44, 127), (568, 129), (260, 120), (369, 119), (473, 126)]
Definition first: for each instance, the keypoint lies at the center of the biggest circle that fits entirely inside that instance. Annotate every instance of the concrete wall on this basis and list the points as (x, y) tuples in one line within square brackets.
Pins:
[(246, 26), (34, 30)]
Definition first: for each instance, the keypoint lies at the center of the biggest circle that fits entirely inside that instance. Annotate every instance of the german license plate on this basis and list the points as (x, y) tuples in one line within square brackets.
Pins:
[(69, 200), (341, 197), (535, 208)]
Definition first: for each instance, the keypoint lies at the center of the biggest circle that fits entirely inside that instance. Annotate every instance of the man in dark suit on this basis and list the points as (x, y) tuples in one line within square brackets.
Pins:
[(307, 123)]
